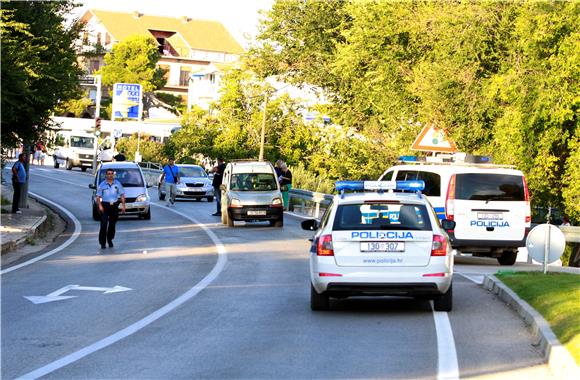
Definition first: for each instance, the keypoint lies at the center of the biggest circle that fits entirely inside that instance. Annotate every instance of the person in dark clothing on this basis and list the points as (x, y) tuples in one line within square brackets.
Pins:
[(119, 157), (285, 180), (218, 171), (18, 180)]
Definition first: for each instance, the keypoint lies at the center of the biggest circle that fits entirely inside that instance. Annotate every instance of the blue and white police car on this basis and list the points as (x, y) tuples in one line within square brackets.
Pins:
[(375, 240)]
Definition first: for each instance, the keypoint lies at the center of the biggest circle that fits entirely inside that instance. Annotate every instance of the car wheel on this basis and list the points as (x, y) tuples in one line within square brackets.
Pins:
[(147, 216), (68, 164), (83, 169), (161, 195), (445, 301), (210, 199), (508, 258), (318, 302), (197, 199), (96, 214), (229, 221), (56, 164), (277, 223)]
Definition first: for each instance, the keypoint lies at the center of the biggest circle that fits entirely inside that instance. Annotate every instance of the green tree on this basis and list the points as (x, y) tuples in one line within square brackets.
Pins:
[(150, 150), (39, 66), (134, 60)]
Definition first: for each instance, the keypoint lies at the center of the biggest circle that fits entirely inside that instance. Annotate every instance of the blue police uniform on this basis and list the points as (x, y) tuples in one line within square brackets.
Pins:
[(110, 194)]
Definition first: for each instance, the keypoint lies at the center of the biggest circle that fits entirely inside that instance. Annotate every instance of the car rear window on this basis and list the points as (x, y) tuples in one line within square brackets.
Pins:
[(432, 180), (489, 187), (381, 216)]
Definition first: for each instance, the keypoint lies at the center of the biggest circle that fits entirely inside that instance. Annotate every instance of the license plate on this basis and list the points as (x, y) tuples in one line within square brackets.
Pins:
[(257, 212), (382, 246), (489, 216)]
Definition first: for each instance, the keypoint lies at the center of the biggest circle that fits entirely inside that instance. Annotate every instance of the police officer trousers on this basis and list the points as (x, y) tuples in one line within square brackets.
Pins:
[(109, 219)]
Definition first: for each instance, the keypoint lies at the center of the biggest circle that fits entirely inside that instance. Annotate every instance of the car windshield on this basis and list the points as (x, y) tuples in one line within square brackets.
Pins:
[(82, 142), (191, 171), (382, 216), (253, 182), (129, 177), (490, 187)]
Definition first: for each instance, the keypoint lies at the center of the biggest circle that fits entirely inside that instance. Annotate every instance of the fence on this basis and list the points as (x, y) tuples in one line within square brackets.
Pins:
[(308, 203)]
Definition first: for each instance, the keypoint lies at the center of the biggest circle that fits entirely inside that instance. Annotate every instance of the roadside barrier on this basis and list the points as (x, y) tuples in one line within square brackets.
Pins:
[(308, 203)]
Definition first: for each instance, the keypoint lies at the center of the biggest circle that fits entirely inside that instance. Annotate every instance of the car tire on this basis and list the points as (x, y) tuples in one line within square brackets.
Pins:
[(147, 216), (277, 223), (56, 164), (210, 199), (161, 195), (229, 221), (318, 302), (508, 258), (83, 169), (68, 164), (96, 214), (198, 199), (444, 302)]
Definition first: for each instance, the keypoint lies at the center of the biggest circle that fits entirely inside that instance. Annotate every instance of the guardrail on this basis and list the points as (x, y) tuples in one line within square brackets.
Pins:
[(308, 203)]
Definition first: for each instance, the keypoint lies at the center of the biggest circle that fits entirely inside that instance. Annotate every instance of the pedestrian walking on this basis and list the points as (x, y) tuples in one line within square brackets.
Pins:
[(171, 177), (285, 180), (110, 194), (18, 180), (218, 175)]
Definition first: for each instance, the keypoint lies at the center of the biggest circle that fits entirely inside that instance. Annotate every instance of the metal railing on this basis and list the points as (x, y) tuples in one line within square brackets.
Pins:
[(308, 203), (151, 171)]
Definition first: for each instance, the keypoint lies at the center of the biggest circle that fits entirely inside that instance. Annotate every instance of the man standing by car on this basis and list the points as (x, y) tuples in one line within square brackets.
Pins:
[(108, 194), (171, 177), (218, 171)]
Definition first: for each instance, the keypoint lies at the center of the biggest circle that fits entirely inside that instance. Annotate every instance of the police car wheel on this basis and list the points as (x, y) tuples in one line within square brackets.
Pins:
[(508, 258), (210, 199), (444, 302), (318, 302)]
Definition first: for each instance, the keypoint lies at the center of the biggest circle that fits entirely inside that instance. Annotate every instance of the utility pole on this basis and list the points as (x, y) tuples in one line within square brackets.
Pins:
[(261, 158)]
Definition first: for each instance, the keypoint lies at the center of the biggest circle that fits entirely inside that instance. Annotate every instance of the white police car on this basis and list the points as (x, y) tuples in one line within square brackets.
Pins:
[(375, 242)]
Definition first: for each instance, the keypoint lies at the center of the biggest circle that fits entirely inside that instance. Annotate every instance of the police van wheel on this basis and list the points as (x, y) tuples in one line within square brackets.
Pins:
[(68, 164), (444, 302), (210, 199), (508, 258), (318, 302)]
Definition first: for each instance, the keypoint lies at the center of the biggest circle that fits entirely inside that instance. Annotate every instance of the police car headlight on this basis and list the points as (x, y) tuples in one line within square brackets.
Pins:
[(141, 198), (235, 203)]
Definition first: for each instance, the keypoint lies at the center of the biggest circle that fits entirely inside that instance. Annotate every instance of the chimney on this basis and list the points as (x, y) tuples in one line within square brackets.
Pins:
[(137, 15)]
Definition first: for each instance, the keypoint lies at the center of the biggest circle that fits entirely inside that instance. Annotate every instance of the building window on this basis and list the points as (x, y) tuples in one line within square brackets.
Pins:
[(212, 78), (184, 76), (98, 38), (107, 39)]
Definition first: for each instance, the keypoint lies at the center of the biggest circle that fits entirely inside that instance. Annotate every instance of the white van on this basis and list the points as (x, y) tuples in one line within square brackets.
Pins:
[(489, 203), (251, 192)]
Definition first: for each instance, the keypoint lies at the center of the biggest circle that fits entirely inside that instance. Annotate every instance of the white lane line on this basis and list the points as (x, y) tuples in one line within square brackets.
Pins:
[(477, 278), (447, 366), (68, 242), (127, 331)]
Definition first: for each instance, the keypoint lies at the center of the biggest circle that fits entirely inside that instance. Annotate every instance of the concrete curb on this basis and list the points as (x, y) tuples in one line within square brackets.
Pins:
[(559, 360), (32, 231)]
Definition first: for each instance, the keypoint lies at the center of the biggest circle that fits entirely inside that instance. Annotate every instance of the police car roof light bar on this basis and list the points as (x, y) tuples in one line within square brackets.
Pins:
[(380, 186)]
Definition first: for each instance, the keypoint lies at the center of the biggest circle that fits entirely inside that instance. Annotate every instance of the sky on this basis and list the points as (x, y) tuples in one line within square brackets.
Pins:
[(240, 17)]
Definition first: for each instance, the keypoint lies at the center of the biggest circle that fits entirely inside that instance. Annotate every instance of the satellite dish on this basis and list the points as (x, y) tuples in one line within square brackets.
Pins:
[(537, 239)]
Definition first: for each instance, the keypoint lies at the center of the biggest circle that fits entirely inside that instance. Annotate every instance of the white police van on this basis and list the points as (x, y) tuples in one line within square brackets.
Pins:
[(489, 203), (376, 242)]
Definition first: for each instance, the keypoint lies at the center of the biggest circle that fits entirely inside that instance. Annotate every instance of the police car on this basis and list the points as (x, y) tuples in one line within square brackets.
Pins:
[(376, 241)]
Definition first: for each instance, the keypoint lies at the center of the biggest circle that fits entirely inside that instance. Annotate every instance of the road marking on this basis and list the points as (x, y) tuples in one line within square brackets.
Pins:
[(447, 366), (127, 331), (68, 242), (57, 294)]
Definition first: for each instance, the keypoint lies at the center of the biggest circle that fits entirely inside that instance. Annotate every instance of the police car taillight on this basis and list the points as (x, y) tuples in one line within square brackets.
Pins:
[(528, 218), (324, 247), (439, 247), (450, 200)]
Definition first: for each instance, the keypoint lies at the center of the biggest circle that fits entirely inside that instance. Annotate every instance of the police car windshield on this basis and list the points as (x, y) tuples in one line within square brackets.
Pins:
[(253, 182), (381, 216), (81, 142), (191, 171), (128, 177), (490, 187)]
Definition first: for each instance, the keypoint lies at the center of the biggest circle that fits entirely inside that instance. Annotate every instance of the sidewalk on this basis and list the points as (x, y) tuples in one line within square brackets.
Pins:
[(20, 229)]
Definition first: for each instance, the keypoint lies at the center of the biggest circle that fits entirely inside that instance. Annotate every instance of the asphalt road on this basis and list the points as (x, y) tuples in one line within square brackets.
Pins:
[(207, 301)]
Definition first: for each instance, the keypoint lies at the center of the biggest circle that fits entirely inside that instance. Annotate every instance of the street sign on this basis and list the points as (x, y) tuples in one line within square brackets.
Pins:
[(433, 139), (57, 294), (88, 80), (127, 102), (545, 243)]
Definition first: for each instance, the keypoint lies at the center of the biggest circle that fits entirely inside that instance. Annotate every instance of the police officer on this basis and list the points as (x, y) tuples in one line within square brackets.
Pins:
[(108, 194)]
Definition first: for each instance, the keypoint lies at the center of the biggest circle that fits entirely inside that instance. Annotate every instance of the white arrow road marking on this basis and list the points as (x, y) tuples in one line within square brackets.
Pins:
[(56, 295)]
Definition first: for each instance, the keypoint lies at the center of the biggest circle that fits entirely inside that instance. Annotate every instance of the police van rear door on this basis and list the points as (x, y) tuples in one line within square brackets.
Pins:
[(382, 234), (490, 206)]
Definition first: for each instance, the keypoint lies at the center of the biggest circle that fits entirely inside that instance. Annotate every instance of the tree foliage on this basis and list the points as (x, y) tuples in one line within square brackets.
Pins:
[(39, 66)]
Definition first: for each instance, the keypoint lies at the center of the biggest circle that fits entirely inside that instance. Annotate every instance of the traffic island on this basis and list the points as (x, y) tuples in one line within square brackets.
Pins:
[(556, 296)]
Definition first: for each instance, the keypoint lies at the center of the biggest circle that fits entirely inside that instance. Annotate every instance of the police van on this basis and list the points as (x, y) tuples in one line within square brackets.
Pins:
[(489, 203), (375, 241)]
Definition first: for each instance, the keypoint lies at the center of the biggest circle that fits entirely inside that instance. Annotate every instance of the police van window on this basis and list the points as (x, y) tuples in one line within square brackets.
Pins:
[(378, 216), (489, 187), (432, 180), (388, 176)]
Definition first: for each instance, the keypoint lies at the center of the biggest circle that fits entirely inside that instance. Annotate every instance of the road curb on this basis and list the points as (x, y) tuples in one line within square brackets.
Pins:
[(559, 360), (32, 231)]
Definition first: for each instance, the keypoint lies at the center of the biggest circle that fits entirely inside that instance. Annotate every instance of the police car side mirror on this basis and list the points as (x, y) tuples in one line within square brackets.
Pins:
[(448, 224), (92, 186), (310, 225)]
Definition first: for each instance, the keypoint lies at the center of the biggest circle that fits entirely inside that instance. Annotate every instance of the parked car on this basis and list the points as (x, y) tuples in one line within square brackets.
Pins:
[(129, 174), (194, 183)]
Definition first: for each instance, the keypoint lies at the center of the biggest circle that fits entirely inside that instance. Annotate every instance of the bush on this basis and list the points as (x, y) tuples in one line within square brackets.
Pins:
[(306, 180)]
